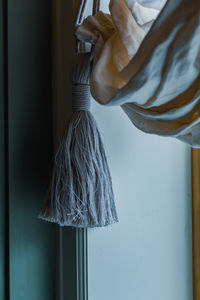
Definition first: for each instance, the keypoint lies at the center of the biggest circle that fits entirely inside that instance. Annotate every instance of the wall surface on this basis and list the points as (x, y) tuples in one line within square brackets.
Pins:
[(148, 254)]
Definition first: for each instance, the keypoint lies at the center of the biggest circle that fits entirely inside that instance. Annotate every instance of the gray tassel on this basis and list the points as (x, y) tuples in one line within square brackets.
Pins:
[(81, 193)]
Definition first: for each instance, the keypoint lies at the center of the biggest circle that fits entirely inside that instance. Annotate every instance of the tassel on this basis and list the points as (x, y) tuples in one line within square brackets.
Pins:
[(81, 194)]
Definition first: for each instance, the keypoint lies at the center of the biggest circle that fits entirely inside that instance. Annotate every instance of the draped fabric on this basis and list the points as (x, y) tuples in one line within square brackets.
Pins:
[(148, 61)]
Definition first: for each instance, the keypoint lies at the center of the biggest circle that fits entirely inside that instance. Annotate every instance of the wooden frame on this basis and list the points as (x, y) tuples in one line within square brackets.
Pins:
[(82, 264), (196, 221), (71, 243), (72, 277), (4, 276), (26, 243)]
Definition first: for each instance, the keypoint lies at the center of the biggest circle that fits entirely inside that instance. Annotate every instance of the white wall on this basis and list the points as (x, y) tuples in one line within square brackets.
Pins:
[(148, 255)]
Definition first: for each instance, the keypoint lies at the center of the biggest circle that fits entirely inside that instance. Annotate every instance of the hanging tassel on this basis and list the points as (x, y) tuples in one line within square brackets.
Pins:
[(81, 193)]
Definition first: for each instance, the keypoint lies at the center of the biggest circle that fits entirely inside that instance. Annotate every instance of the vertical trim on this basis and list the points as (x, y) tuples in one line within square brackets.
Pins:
[(196, 221), (68, 282), (59, 264), (72, 273), (71, 242), (81, 264), (3, 141), (6, 148), (62, 52), (31, 241)]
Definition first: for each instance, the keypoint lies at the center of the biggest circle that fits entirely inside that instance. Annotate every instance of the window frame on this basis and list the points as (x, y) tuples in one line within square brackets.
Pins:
[(72, 251), (195, 165)]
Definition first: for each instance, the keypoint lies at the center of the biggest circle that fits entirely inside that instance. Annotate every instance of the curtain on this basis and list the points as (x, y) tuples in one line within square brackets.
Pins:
[(148, 61)]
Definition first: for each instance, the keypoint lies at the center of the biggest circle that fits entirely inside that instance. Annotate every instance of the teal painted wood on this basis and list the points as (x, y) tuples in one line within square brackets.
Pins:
[(82, 263), (2, 166), (32, 241), (71, 242), (67, 264), (72, 276)]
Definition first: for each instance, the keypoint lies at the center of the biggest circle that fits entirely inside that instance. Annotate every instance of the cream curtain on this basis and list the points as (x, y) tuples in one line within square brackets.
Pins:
[(148, 61)]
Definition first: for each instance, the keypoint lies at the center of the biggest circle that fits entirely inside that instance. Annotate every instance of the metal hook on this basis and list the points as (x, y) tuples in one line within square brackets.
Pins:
[(96, 6), (81, 13)]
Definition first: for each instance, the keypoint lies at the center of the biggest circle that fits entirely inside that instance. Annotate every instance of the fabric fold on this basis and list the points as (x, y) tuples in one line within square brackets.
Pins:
[(149, 67)]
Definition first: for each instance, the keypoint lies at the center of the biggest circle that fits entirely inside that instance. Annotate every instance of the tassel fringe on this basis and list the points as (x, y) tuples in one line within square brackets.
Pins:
[(81, 194)]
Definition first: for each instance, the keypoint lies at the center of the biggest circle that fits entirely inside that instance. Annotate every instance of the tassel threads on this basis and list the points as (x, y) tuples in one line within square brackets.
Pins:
[(81, 193)]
